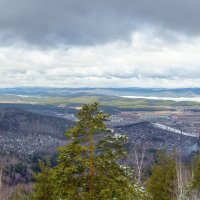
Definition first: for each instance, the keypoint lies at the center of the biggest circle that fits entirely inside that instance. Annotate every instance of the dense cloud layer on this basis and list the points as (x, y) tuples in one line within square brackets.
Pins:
[(100, 43), (84, 22), (145, 61)]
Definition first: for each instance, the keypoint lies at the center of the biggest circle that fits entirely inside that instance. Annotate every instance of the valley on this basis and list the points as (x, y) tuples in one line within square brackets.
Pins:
[(32, 127)]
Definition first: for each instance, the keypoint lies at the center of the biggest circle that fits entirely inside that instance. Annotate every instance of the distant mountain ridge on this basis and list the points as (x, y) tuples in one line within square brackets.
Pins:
[(39, 91)]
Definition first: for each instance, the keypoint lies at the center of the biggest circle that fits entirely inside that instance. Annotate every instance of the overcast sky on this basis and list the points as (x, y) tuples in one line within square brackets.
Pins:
[(100, 43)]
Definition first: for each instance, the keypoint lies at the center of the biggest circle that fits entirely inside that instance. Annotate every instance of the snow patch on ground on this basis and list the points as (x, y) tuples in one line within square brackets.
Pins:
[(173, 130)]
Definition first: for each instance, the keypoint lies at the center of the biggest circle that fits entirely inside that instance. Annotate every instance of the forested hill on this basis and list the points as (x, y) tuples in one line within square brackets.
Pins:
[(24, 132), (154, 138)]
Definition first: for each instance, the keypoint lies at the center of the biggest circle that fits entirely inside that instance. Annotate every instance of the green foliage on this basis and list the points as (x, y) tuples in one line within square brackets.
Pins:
[(88, 166), (196, 178), (162, 183), (194, 186), (44, 187), (141, 193), (20, 194)]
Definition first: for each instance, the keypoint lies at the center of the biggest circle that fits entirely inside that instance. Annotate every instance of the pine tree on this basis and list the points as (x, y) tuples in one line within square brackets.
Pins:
[(44, 187), (20, 194), (163, 181), (88, 166), (195, 186)]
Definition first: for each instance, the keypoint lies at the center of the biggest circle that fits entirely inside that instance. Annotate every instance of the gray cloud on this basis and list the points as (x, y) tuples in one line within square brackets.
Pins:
[(85, 22), (144, 61)]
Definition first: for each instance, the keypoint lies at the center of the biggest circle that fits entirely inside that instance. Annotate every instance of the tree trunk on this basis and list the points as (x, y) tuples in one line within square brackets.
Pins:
[(139, 163)]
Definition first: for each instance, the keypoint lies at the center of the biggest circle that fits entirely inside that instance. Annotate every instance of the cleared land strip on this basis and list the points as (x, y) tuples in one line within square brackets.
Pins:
[(163, 127)]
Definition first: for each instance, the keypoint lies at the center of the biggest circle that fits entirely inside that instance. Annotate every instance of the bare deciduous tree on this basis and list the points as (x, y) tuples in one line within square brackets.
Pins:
[(137, 155)]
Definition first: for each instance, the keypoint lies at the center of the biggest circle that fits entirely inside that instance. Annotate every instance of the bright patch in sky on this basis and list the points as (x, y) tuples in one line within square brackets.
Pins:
[(143, 61), (100, 43)]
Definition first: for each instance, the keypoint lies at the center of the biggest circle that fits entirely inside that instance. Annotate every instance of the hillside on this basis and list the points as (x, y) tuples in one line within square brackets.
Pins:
[(23, 132), (154, 138)]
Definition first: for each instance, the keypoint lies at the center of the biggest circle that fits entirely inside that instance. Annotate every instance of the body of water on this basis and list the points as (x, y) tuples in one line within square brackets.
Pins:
[(195, 99)]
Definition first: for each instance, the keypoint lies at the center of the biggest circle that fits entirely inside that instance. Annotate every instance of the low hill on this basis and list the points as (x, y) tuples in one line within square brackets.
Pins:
[(23, 132), (154, 138)]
